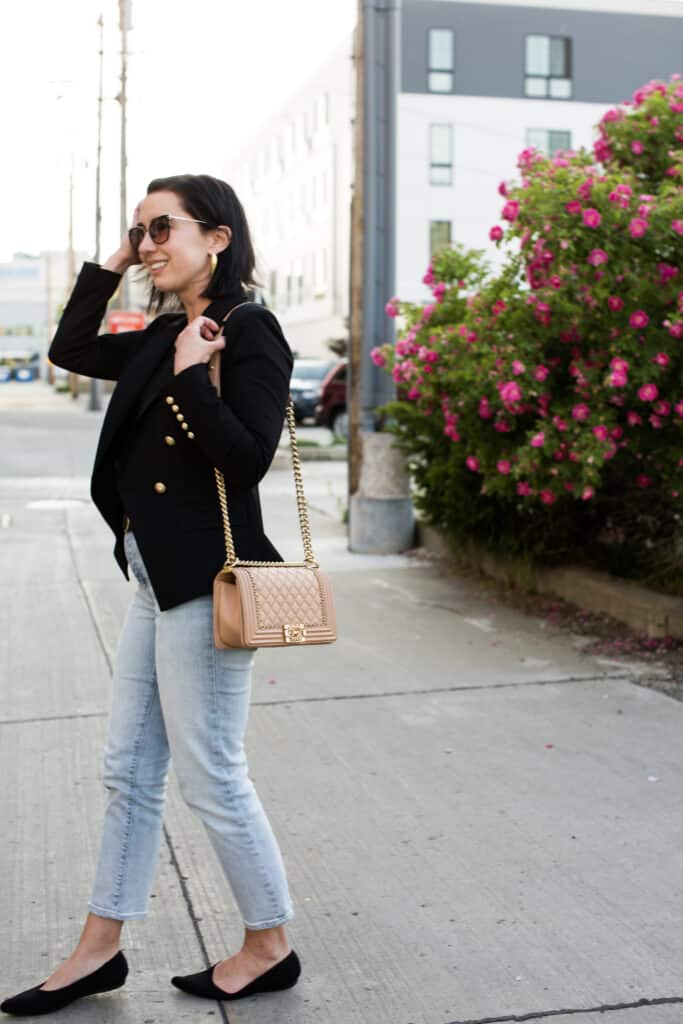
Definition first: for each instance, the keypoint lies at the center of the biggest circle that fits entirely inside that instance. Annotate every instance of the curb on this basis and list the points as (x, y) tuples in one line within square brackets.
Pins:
[(645, 611)]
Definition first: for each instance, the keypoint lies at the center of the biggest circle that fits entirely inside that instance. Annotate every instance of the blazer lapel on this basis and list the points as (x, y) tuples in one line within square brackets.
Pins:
[(135, 382), (131, 383)]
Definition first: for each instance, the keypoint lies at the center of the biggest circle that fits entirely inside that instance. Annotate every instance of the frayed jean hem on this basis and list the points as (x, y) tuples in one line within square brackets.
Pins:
[(274, 922), (116, 915)]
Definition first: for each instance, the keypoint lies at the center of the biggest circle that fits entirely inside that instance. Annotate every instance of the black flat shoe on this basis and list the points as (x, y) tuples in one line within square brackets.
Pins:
[(35, 1001), (282, 975)]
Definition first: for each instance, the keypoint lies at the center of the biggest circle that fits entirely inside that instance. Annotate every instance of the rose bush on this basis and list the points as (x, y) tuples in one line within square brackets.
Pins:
[(540, 408)]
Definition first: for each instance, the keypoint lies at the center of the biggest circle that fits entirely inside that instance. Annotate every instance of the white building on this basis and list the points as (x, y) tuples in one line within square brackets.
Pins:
[(480, 80), (483, 79), (294, 180)]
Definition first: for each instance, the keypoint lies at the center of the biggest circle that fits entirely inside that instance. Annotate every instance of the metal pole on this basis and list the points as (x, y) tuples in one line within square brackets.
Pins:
[(357, 268), (124, 22), (71, 265), (95, 403), (373, 216)]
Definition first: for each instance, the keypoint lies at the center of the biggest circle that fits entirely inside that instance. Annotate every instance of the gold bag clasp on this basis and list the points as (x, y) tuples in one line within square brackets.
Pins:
[(294, 632)]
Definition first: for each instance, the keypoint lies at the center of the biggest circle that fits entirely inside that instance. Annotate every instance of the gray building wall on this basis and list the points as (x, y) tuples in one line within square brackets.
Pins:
[(612, 54)]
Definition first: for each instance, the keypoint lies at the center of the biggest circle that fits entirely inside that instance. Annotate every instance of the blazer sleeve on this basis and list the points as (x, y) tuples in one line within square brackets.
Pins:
[(239, 431), (76, 345)]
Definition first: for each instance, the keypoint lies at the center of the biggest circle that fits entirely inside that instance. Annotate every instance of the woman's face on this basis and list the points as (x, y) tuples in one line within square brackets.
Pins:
[(183, 261)]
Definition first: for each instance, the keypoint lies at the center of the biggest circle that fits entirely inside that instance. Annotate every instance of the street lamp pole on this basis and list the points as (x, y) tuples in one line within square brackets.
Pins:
[(95, 403), (124, 25)]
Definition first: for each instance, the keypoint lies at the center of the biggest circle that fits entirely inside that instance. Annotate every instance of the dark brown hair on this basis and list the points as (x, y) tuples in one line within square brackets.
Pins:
[(215, 202)]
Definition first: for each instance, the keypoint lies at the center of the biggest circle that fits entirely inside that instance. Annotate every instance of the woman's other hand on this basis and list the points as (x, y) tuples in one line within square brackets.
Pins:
[(125, 256), (195, 343)]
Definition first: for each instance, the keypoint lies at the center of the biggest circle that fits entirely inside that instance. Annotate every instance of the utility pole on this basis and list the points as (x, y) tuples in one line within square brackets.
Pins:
[(124, 25), (357, 268), (71, 265), (95, 403), (380, 508)]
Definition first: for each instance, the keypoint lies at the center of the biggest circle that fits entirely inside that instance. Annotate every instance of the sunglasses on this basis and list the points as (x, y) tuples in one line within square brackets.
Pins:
[(159, 229)]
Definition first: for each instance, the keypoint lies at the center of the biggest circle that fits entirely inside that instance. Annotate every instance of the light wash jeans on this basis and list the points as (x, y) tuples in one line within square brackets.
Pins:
[(176, 695)]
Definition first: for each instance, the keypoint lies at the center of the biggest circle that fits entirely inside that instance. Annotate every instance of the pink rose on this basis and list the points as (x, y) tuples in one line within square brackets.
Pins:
[(597, 257), (601, 432), (541, 372), (580, 411), (517, 367), (648, 392), (472, 463), (633, 419), (588, 493), (677, 226), (615, 303), (619, 364), (573, 206), (591, 218), (391, 309), (503, 466), (510, 392), (547, 497), (676, 329), (510, 210), (679, 408), (618, 379), (639, 318), (523, 488), (662, 408), (637, 147), (661, 359), (485, 409), (538, 440), (496, 233), (643, 480), (378, 357), (638, 227)]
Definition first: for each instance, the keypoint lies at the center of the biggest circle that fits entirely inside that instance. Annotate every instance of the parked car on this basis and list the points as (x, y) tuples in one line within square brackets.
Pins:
[(19, 364), (306, 384), (331, 409)]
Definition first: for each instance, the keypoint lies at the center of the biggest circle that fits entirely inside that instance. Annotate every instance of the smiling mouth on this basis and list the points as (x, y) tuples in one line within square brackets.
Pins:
[(156, 265)]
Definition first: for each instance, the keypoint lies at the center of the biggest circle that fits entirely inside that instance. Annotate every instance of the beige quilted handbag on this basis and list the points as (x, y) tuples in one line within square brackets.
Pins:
[(271, 604)]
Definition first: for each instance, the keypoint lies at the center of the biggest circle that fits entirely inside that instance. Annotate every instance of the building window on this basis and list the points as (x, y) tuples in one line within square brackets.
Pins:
[(441, 154), (548, 141), (547, 67), (439, 236), (440, 60)]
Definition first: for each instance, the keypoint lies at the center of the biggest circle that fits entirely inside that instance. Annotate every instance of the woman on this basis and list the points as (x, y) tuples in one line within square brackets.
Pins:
[(174, 694)]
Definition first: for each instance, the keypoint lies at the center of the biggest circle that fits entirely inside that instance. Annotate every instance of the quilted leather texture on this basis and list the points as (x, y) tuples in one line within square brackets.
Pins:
[(253, 606)]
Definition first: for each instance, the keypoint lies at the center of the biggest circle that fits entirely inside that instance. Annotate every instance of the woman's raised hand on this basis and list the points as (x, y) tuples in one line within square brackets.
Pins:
[(195, 343), (125, 256)]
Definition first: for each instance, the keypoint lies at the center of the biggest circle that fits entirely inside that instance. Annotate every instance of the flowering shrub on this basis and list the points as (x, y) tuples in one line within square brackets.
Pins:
[(541, 409)]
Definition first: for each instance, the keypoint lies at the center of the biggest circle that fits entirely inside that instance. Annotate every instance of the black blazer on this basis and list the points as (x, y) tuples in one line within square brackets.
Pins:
[(165, 433)]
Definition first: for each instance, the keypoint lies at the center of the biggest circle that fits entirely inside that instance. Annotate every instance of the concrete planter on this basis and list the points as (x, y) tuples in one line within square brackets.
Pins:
[(645, 611), (381, 517)]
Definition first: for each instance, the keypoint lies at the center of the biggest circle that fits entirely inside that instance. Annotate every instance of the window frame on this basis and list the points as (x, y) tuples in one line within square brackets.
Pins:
[(548, 150), (433, 252), (440, 71), (432, 163), (549, 78)]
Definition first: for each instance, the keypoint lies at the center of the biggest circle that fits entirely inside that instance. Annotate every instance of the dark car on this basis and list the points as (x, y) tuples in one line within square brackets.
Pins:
[(306, 384), (331, 409)]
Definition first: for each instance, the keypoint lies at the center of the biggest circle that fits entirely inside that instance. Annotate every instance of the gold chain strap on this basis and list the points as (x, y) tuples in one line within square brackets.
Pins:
[(232, 558)]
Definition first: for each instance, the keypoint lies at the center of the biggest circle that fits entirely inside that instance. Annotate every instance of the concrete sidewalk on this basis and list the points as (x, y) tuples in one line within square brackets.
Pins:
[(480, 822)]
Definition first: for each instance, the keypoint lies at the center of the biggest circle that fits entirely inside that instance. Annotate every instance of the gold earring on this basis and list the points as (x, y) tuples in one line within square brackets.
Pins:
[(213, 260)]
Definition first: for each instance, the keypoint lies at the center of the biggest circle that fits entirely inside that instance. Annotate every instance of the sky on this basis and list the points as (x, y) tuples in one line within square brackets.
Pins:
[(203, 74)]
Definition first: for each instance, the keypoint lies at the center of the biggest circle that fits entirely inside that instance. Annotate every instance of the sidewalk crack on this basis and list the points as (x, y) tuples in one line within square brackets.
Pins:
[(514, 1018)]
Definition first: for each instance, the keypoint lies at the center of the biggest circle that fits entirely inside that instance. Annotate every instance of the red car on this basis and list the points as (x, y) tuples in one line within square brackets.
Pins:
[(331, 409)]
